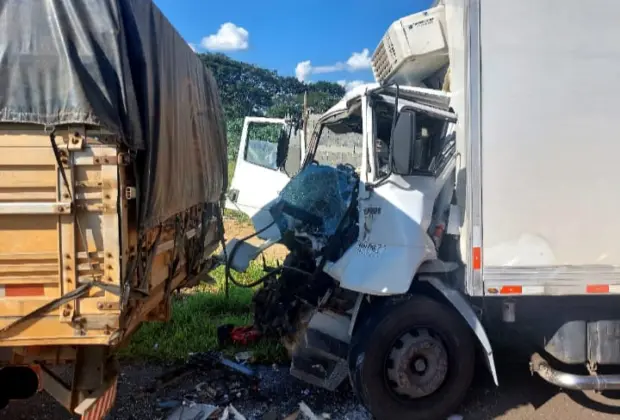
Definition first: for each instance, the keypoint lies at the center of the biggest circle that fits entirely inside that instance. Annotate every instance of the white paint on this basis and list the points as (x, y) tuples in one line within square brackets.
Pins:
[(258, 186), (549, 147), (396, 243), (394, 217), (528, 249), (463, 307), (412, 49)]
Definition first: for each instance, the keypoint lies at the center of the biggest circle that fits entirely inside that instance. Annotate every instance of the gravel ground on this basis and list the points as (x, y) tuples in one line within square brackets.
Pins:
[(520, 397)]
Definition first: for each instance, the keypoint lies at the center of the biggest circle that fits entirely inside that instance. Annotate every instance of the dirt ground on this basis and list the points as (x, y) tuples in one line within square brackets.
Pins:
[(519, 397)]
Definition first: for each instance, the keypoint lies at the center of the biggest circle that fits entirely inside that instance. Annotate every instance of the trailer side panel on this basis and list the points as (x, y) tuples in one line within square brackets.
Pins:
[(549, 153)]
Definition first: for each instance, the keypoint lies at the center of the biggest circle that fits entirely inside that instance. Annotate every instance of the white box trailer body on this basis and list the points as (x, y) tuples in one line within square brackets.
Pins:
[(532, 85)]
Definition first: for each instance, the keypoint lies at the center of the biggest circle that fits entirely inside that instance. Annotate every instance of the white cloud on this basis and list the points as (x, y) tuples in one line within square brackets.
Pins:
[(356, 62), (328, 69), (229, 37), (359, 61), (351, 84), (303, 70)]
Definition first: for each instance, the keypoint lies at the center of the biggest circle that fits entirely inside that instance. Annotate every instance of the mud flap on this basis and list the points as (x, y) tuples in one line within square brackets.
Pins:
[(99, 405), (461, 305)]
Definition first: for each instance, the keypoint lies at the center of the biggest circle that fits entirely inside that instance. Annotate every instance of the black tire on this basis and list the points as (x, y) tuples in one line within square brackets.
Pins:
[(372, 345)]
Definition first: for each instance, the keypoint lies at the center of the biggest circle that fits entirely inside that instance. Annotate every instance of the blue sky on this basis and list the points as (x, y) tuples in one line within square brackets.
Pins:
[(321, 39)]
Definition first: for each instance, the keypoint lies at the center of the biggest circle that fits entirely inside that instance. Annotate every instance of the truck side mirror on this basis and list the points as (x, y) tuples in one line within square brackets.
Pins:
[(402, 142)]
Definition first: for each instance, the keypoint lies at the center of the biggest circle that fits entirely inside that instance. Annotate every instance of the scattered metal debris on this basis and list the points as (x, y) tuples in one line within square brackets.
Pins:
[(192, 411), (270, 415), (167, 405), (292, 416), (232, 365), (244, 357), (306, 411), (223, 381), (236, 414)]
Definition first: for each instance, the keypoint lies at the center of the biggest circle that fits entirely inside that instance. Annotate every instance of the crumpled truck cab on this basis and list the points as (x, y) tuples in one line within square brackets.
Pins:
[(357, 231)]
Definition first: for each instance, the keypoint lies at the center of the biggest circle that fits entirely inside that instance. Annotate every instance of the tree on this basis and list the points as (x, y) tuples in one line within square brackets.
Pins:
[(246, 89)]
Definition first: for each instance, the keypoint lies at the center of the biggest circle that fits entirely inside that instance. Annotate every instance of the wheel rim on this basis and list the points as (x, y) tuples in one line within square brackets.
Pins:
[(417, 364)]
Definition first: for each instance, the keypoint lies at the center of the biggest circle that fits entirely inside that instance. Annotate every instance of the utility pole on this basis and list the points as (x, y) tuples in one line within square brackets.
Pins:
[(305, 115)]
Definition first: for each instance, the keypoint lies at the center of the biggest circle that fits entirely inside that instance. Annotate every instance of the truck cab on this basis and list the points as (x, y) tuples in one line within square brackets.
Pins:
[(359, 232)]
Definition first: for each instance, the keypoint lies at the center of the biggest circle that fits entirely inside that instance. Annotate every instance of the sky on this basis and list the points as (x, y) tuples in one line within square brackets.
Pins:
[(314, 40)]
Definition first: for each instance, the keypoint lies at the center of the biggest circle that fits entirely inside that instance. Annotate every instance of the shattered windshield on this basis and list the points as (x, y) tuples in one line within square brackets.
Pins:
[(316, 200)]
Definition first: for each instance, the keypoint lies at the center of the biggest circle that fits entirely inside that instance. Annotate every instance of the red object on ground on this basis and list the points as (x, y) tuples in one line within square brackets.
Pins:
[(244, 335)]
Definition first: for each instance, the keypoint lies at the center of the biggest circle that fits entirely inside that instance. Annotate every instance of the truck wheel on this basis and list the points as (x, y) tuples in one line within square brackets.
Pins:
[(412, 358)]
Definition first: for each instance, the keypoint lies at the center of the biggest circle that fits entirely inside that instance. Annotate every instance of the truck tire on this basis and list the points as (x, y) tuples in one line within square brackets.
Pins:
[(412, 358)]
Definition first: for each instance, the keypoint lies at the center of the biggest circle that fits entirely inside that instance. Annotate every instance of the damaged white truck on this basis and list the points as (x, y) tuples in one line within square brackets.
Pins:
[(481, 210)]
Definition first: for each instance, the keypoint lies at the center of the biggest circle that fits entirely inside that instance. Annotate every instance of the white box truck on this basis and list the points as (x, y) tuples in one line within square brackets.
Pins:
[(482, 215)]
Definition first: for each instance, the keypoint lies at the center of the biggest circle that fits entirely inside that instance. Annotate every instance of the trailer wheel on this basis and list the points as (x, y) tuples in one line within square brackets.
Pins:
[(412, 358)]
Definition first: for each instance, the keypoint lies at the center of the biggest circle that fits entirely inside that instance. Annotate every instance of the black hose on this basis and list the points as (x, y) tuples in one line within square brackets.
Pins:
[(233, 251), (228, 275)]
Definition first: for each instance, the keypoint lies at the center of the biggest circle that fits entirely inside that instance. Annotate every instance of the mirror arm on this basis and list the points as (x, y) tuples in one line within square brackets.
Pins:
[(384, 178)]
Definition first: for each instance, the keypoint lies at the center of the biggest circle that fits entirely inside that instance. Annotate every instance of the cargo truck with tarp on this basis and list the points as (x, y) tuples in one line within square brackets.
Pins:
[(113, 165)]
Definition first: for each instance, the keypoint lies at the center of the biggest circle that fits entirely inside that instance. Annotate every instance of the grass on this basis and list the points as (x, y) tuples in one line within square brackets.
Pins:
[(233, 214), (197, 313), (195, 318)]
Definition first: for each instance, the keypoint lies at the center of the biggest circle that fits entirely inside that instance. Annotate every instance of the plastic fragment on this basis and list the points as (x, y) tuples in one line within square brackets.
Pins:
[(192, 412), (306, 411), (244, 357)]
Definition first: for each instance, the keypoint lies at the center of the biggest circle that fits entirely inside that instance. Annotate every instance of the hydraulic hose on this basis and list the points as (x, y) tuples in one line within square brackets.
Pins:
[(233, 251)]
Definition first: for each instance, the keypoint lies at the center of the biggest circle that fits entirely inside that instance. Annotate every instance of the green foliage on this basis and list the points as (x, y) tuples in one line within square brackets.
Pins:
[(234, 127), (195, 318), (265, 131), (249, 90)]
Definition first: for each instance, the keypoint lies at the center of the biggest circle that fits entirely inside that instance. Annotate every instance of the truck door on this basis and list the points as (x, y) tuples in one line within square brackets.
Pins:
[(263, 166)]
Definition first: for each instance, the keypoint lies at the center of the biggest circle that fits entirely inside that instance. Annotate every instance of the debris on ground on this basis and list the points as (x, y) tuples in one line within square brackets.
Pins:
[(222, 380), (167, 405), (293, 416), (270, 415), (228, 334), (307, 412), (244, 357), (192, 411), (231, 413), (217, 381), (218, 358), (236, 414)]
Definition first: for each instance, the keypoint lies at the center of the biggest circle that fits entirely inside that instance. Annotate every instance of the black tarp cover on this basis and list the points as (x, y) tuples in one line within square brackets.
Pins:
[(118, 64)]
